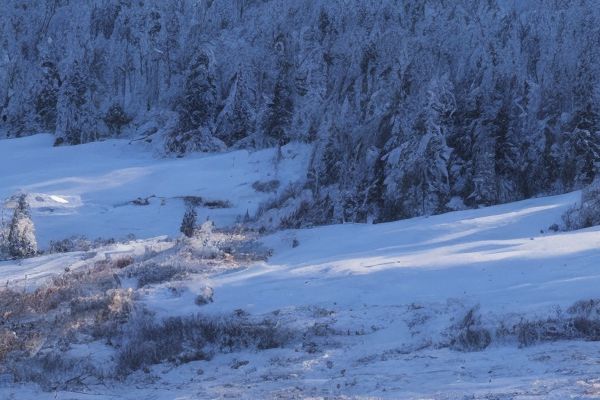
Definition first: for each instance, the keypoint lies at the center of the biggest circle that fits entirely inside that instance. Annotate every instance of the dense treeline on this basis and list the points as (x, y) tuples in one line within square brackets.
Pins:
[(414, 107)]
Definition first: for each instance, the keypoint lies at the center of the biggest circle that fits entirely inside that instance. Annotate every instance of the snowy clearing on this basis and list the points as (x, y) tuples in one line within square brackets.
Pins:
[(92, 189), (374, 310)]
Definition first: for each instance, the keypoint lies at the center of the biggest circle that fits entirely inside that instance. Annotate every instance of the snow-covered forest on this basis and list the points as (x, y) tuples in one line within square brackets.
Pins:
[(292, 199), (412, 108)]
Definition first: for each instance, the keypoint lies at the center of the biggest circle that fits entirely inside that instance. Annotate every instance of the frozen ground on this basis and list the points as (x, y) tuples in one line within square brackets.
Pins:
[(377, 305)]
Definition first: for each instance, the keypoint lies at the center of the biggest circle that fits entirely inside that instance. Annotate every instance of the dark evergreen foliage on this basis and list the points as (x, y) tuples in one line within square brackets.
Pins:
[(412, 107), (188, 223)]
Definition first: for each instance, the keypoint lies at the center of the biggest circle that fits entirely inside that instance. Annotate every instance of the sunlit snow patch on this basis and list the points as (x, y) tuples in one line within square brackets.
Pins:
[(53, 202), (59, 199)]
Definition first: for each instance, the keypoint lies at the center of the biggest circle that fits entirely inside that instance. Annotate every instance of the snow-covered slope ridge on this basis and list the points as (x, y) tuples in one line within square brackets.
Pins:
[(502, 256)]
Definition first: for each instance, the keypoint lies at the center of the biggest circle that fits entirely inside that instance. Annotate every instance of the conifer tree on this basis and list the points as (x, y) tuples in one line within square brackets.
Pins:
[(73, 119), (21, 235), (197, 105), (46, 98), (281, 108), (236, 120), (188, 223)]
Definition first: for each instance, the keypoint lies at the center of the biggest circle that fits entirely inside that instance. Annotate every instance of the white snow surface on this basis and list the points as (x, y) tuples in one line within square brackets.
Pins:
[(88, 189), (397, 285), (496, 256)]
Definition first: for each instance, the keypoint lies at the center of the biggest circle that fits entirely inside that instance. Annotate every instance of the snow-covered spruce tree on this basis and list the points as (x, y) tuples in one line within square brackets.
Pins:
[(236, 119), (196, 108), (197, 105), (74, 120), (281, 107), (416, 176), (188, 223), (581, 153), (331, 162), (46, 97), (21, 242)]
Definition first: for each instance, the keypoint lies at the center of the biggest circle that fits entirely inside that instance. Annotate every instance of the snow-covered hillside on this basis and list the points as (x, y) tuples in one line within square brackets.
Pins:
[(502, 257), (92, 189), (469, 304)]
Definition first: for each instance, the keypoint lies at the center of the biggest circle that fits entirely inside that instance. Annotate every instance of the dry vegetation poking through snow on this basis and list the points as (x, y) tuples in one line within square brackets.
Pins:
[(91, 326), (220, 315), (98, 306)]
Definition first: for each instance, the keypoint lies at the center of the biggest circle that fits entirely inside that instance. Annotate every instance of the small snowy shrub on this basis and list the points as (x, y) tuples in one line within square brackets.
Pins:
[(193, 201), (52, 370), (122, 262), (120, 301), (116, 118), (248, 250), (87, 304), (587, 213), (141, 201), (586, 318), (8, 342), (217, 204), (195, 140), (203, 244), (586, 308), (530, 332), (581, 321), (589, 329), (74, 243), (205, 296), (182, 339), (148, 342), (151, 273), (470, 335), (39, 326), (266, 186)]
